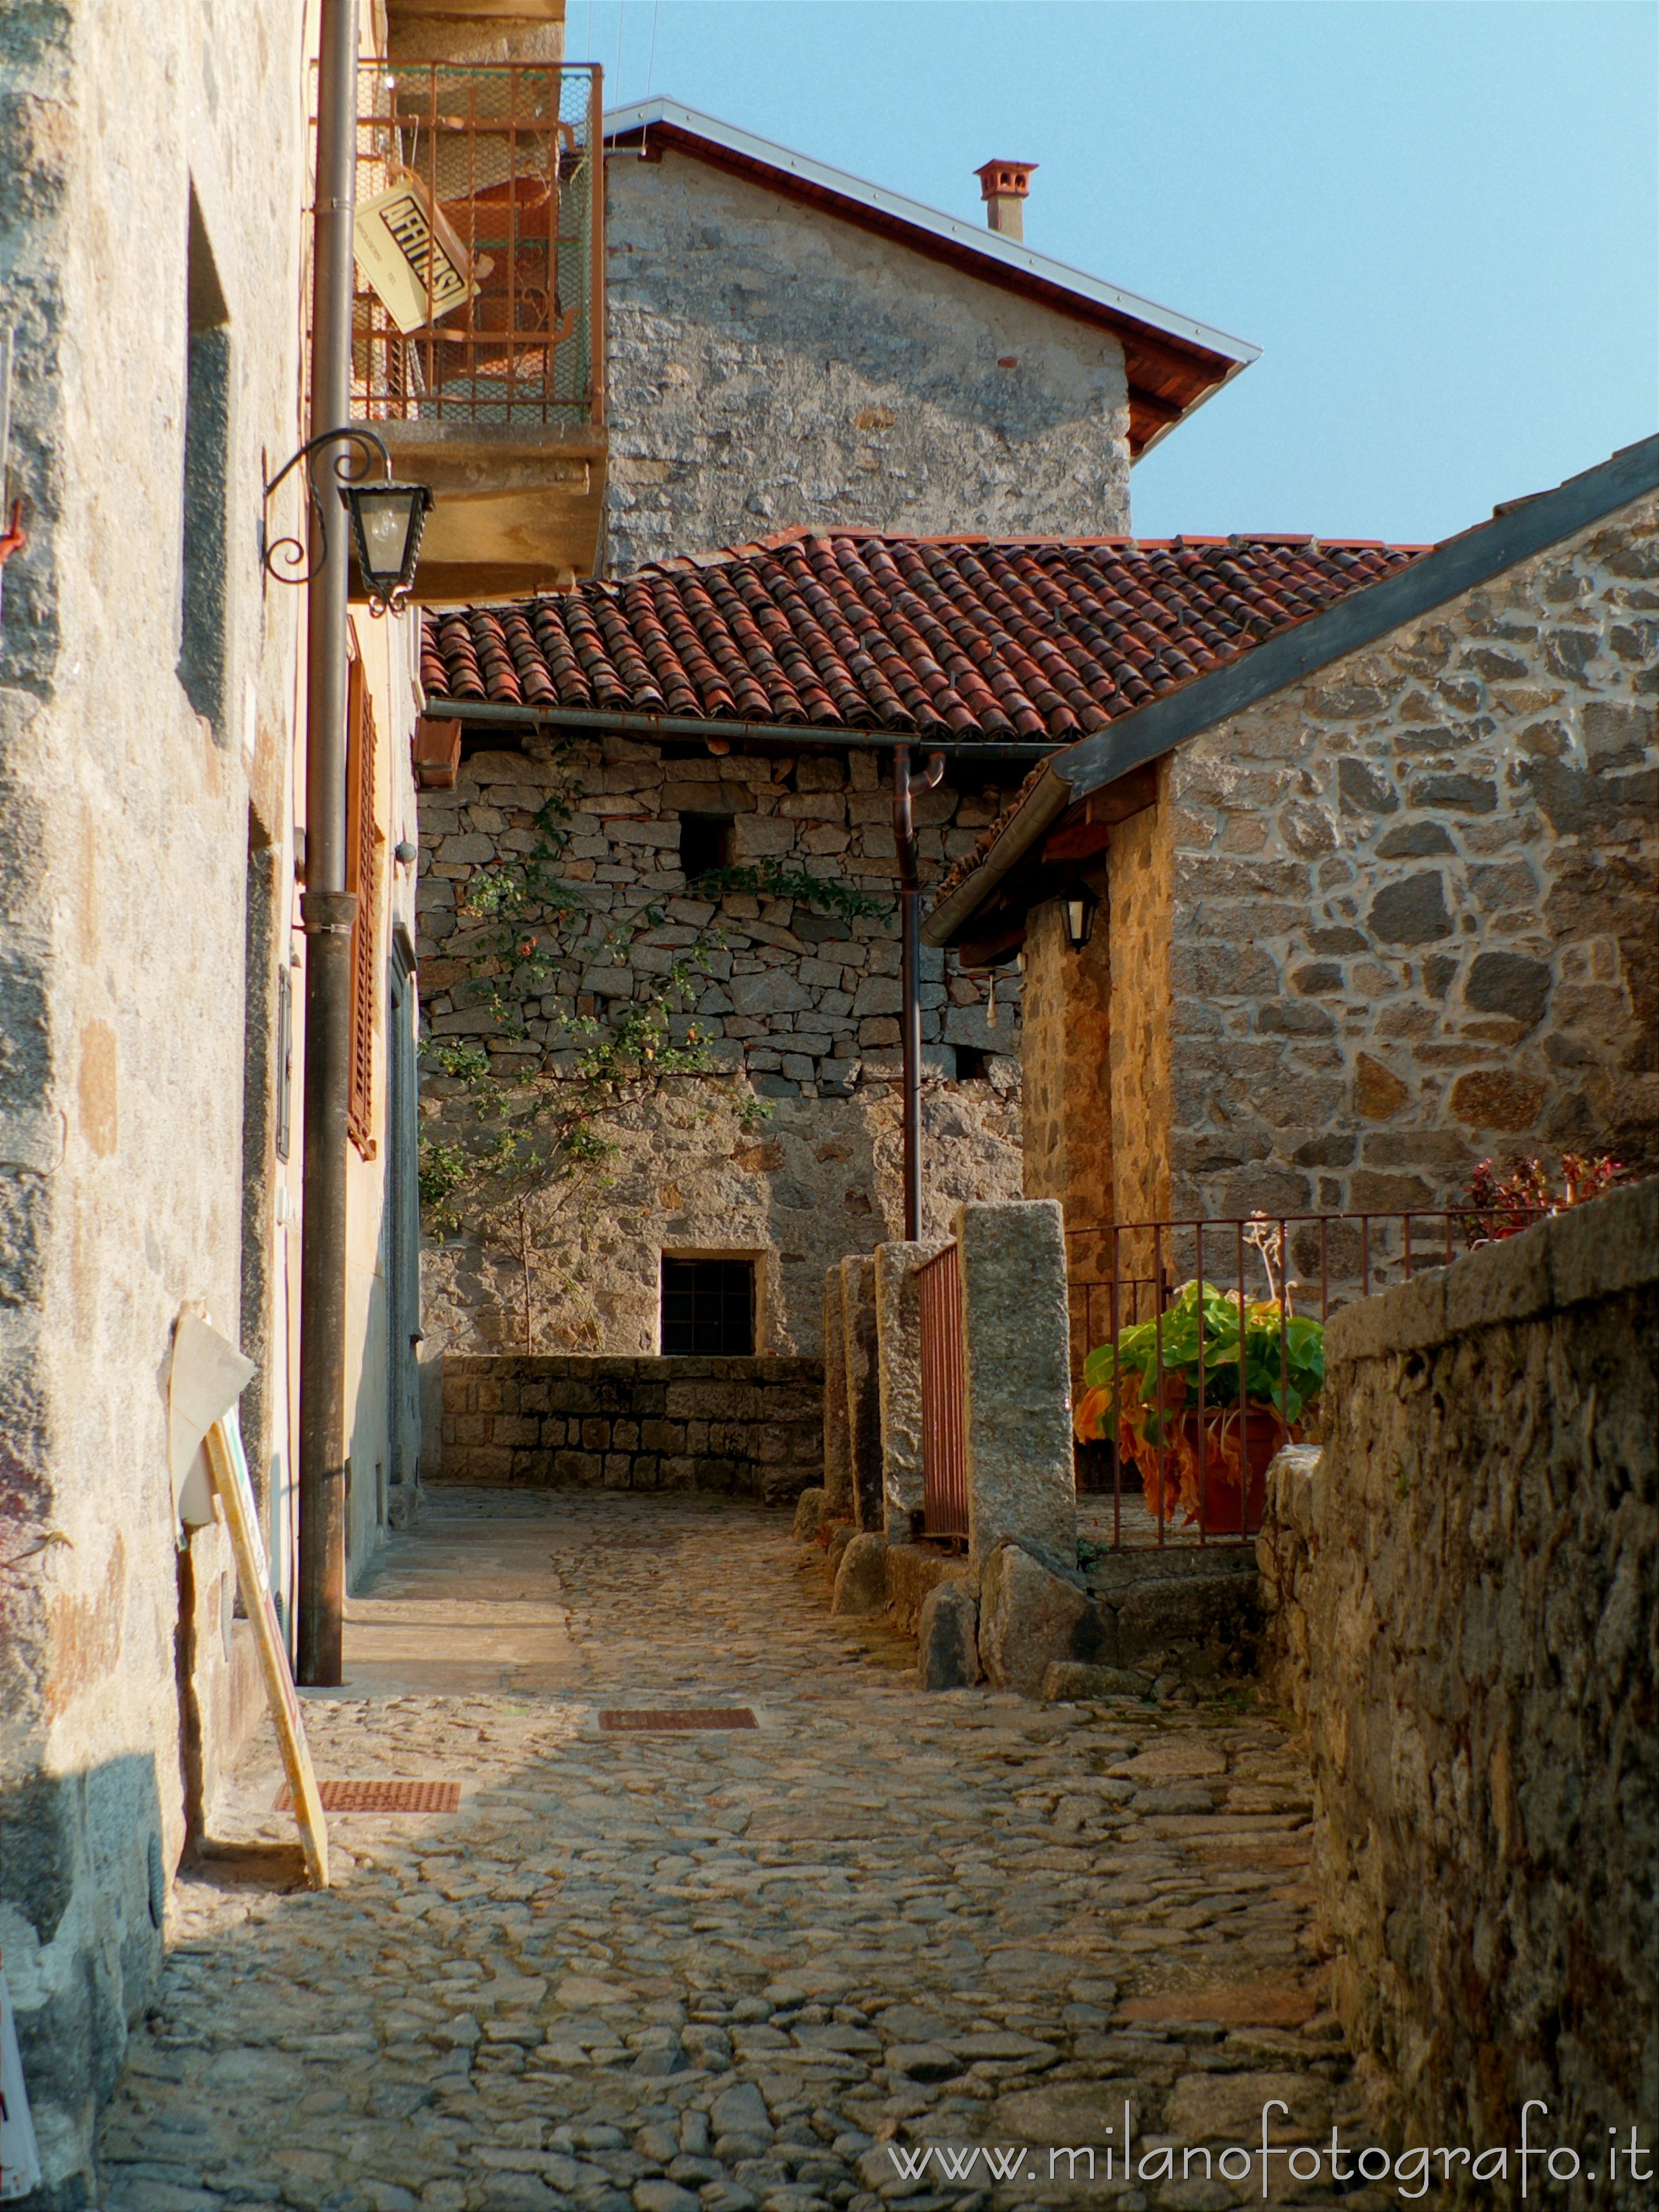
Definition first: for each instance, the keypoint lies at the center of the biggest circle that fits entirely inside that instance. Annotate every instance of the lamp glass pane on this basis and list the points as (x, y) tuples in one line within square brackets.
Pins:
[(384, 518)]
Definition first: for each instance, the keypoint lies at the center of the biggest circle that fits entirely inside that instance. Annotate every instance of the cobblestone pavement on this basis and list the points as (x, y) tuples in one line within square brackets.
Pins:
[(707, 1972)]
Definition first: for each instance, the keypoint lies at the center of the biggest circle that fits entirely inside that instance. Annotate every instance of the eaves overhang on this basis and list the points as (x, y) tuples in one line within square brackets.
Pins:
[(1517, 530), (1174, 364)]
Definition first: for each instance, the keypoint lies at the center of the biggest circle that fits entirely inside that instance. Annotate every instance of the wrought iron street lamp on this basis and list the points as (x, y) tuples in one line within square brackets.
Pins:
[(387, 520)]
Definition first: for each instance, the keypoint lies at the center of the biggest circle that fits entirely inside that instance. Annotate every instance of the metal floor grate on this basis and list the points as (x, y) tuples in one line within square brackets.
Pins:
[(380, 1797), (730, 1716)]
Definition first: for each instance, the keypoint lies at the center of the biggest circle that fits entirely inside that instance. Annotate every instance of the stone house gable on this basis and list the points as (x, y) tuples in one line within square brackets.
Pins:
[(1390, 916), (788, 344)]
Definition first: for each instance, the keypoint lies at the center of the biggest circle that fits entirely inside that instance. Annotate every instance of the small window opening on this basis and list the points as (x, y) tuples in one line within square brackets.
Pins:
[(705, 844), (709, 1308), (973, 1063), (203, 615)]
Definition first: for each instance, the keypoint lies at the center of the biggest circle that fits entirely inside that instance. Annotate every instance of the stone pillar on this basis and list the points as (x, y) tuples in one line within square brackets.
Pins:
[(857, 1293), (1016, 1393), (898, 1347), (837, 1452)]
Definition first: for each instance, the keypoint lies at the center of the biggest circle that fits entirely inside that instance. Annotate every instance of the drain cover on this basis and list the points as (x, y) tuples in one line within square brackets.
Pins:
[(730, 1716), (381, 1797)]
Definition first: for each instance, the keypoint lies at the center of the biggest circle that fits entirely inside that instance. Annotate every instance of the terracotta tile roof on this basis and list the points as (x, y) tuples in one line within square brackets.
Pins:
[(1030, 640)]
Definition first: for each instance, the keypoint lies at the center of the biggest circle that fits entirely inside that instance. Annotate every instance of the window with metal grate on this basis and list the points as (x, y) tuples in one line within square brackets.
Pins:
[(708, 1307)]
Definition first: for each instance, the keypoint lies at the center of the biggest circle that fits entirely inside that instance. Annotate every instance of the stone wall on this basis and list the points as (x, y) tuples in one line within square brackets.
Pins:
[(1464, 1592), (797, 1005), (750, 1428), (1397, 917), (135, 811), (769, 365)]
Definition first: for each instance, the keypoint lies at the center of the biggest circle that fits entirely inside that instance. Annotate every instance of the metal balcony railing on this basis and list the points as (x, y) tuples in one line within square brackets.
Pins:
[(480, 246)]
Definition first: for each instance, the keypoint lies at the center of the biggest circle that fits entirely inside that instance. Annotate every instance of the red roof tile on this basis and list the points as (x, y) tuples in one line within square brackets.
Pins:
[(1035, 640)]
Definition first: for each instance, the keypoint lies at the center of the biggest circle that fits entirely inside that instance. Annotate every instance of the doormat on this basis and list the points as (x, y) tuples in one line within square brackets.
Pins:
[(732, 1716), (381, 1797)]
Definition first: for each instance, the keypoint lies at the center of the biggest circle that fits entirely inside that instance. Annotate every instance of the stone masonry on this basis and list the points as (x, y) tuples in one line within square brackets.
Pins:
[(769, 364), (1463, 1601), (797, 1005), (1389, 921), (149, 224), (747, 1428)]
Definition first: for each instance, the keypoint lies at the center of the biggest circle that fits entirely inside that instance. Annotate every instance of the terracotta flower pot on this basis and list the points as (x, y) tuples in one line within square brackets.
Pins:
[(1231, 1507)]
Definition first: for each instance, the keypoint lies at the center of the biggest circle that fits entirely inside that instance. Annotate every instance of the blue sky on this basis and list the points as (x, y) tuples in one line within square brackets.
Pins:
[(1437, 220)]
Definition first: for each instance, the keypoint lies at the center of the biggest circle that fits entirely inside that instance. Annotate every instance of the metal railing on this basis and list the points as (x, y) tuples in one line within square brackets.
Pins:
[(944, 1441), (1173, 1429), (480, 244)]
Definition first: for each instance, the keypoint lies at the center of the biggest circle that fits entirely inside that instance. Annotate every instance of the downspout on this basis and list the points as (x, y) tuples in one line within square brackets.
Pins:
[(326, 908), (904, 839)]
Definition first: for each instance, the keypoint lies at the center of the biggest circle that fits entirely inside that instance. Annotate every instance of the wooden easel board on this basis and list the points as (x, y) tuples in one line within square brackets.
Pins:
[(230, 1477)]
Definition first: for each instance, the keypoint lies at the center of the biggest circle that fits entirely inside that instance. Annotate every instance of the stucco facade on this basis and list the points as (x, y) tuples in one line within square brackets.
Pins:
[(150, 735), (772, 365)]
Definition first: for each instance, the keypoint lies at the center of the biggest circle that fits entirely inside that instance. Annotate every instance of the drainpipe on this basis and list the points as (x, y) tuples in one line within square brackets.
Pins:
[(326, 908), (904, 838)]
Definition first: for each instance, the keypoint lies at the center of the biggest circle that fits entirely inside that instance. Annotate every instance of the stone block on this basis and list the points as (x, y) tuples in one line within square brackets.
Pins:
[(809, 1513), (1198, 1608), (858, 1280), (837, 1444), (947, 1636), (912, 1571), (1017, 1413), (898, 1347), (1069, 1681), (862, 1578), (1029, 1618)]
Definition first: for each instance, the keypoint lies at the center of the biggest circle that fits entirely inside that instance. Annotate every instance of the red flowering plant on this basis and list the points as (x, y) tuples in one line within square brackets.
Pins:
[(1504, 1205)]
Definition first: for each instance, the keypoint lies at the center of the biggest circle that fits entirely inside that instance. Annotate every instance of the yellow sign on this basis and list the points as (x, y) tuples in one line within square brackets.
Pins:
[(230, 1480), (409, 249)]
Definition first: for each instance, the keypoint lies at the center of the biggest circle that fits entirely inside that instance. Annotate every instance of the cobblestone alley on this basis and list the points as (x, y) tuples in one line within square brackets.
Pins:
[(702, 1972)]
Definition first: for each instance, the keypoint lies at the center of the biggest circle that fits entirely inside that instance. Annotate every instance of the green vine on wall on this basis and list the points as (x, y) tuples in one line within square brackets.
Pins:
[(537, 1110), (771, 879)]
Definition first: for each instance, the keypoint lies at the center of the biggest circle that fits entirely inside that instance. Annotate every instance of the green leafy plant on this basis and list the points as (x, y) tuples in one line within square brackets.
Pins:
[(770, 879), (528, 1117), (1259, 1365), (1281, 1360)]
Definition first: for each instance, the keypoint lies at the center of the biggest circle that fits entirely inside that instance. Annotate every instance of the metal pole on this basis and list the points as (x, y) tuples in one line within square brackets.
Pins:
[(904, 838), (326, 908)]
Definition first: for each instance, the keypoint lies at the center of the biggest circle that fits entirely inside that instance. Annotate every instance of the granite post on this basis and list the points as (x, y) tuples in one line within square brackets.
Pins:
[(837, 1454), (898, 1349), (1017, 1407), (858, 1291)]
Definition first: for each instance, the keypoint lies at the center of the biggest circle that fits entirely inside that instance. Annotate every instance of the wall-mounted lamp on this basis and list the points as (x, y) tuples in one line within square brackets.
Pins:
[(405, 854), (387, 520), (1079, 921)]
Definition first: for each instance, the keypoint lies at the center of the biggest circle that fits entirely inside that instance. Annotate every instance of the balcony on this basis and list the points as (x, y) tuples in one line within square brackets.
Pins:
[(478, 319)]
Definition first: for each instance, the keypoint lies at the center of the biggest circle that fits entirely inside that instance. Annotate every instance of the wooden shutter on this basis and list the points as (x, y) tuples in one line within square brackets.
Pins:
[(360, 879)]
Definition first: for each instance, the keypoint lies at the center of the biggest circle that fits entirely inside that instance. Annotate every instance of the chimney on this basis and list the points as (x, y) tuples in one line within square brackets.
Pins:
[(1005, 186)]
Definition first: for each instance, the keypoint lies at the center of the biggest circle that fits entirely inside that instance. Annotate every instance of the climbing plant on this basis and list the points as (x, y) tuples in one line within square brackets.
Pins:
[(533, 1122)]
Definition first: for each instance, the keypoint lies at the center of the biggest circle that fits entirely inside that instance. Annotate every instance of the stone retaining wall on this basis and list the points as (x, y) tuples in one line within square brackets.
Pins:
[(1465, 1588), (751, 1428)]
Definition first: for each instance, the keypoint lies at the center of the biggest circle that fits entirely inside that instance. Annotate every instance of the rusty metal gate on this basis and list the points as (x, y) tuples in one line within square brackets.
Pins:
[(943, 1438)]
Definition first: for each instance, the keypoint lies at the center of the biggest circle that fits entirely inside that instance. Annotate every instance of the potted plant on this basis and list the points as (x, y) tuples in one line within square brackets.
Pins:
[(1261, 1366)]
